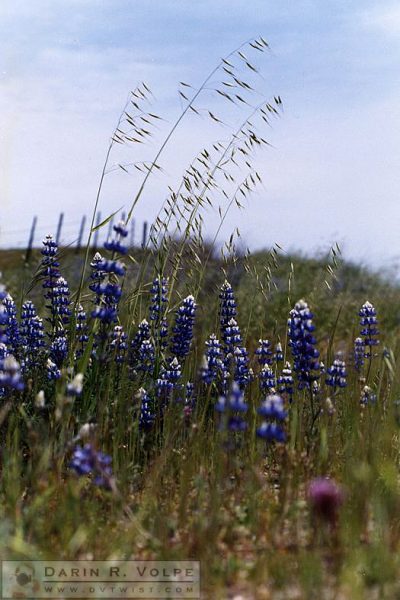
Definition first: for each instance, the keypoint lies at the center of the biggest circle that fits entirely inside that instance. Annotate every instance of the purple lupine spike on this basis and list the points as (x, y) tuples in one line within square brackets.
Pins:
[(278, 353), (213, 360), (12, 328), (242, 373), (264, 353), (337, 374), (104, 277), (183, 330), (32, 337), (302, 343), (232, 405), (285, 381), (369, 331), (169, 379), (116, 244), (87, 460), (118, 344), (146, 415), (267, 380), (358, 354), (274, 414), (146, 357), (227, 310), (10, 373), (81, 329)]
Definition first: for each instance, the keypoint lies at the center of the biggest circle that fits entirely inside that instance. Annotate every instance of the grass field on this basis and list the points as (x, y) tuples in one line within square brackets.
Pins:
[(187, 480)]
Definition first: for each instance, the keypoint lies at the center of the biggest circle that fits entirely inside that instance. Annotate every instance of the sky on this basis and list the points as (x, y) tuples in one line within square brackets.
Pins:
[(331, 174)]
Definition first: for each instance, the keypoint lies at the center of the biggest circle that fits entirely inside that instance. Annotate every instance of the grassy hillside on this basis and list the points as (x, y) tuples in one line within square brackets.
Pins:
[(187, 480)]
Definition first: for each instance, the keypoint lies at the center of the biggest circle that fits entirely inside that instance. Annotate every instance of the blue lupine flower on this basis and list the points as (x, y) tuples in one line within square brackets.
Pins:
[(107, 309), (158, 305), (116, 244), (264, 353), (163, 334), (53, 372), (278, 353), (50, 273), (3, 350), (231, 336), (368, 396), (359, 351), (190, 399), (81, 329), (286, 382), (235, 362), (10, 373), (108, 291), (12, 328), (233, 406), (273, 408), (183, 330), (75, 387), (242, 373), (213, 360), (369, 330), (3, 316), (271, 432), (159, 298), (32, 337), (169, 378), (97, 276), (227, 307), (146, 415), (267, 379), (87, 461), (112, 266), (50, 265), (142, 334), (302, 342), (59, 297), (59, 347), (337, 374), (119, 344), (146, 357), (273, 412)]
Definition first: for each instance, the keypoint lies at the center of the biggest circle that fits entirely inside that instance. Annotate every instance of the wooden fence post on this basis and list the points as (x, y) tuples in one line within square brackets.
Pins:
[(31, 240), (81, 230), (144, 236), (59, 228)]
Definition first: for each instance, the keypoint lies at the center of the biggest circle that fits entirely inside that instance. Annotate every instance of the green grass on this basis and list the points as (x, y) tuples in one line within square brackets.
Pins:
[(243, 512)]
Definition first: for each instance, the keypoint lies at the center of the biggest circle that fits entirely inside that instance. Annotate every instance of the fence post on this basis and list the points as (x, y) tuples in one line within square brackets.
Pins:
[(81, 230), (31, 240), (96, 233), (144, 237), (110, 228), (59, 227)]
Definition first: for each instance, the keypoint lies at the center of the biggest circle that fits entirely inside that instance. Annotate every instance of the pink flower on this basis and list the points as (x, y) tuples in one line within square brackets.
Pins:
[(325, 497)]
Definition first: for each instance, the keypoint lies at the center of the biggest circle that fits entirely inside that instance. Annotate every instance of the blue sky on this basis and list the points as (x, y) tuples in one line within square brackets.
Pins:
[(333, 172)]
